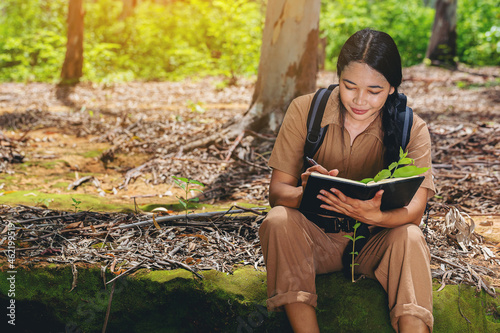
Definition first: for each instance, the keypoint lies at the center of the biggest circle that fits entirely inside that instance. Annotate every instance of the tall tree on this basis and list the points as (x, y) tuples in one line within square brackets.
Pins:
[(288, 61), (127, 8), (73, 62), (287, 68), (442, 47)]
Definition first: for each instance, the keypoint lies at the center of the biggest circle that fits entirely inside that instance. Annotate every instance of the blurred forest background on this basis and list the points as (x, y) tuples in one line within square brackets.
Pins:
[(158, 40)]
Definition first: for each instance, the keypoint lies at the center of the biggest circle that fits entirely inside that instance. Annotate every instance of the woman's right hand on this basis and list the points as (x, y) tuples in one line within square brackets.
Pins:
[(316, 168), (283, 189)]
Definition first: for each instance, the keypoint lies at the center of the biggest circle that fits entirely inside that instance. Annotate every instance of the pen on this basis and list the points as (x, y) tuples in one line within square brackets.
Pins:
[(311, 161)]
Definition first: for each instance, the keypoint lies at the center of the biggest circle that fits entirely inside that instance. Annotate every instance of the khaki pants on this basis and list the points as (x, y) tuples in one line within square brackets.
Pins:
[(295, 250)]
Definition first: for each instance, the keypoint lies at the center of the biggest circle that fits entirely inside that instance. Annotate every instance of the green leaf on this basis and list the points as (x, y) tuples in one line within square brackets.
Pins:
[(366, 180), (179, 184), (194, 199), (393, 165), (406, 160), (349, 236), (402, 154), (359, 237), (192, 181), (182, 179), (356, 226), (196, 189), (383, 174), (409, 171)]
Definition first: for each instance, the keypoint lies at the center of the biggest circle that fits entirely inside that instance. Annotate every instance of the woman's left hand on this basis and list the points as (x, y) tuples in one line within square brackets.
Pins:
[(367, 211)]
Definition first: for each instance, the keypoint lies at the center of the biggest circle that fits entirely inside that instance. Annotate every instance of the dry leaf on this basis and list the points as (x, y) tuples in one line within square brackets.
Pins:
[(74, 225), (156, 223)]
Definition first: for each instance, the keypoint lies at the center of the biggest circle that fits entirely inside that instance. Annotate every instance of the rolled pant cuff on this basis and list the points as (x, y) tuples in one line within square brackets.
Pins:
[(276, 303), (411, 310)]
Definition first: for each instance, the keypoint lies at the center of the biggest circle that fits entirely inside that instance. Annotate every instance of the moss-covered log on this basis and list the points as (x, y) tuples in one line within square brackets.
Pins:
[(176, 301)]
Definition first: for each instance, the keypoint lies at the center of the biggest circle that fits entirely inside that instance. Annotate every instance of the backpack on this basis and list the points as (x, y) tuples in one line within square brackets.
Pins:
[(315, 133)]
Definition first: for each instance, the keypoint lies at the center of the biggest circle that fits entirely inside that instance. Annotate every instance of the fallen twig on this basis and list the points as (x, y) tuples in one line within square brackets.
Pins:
[(178, 217)]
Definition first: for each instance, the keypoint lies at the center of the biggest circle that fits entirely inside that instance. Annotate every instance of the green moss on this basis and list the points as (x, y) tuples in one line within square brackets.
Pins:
[(60, 185), (64, 201), (344, 306), (461, 309), (164, 276), (245, 282), (176, 301), (196, 207), (93, 153)]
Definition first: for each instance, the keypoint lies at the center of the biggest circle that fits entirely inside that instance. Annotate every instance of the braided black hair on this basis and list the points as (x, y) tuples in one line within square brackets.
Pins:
[(379, 51), (392, 133)]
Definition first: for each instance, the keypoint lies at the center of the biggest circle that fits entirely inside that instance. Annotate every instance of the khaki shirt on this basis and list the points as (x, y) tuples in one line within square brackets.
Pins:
[(364, 159)]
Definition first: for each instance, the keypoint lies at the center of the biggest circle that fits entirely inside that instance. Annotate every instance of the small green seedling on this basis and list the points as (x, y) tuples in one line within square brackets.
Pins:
[(45, 203), (76, 204), (401, 169), (185, 183), (354, 238)]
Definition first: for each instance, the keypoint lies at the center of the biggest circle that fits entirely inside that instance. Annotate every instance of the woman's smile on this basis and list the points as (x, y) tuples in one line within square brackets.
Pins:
[(359, 111)]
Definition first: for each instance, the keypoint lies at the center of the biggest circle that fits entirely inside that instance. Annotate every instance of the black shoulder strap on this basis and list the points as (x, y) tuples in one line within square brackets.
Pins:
[(315, 134), (404, 120)]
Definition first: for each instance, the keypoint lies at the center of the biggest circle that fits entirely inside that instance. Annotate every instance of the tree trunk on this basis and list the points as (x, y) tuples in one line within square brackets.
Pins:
[(287, 69), (128, 8), (443, 43), (73, 62), (288, 62)]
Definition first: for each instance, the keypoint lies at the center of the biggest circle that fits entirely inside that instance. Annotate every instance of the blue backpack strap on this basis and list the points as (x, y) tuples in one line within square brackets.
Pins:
[(404, 120), (315, 133)]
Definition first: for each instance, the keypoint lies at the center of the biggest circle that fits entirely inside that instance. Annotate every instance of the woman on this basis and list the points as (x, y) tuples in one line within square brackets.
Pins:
[(362, 138)]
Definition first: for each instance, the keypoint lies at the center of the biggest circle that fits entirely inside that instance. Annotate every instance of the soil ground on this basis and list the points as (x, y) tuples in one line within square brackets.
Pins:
[(56, 155)]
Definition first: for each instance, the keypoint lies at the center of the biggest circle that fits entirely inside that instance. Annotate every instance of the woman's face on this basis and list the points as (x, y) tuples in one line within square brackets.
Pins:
[(363, 91)]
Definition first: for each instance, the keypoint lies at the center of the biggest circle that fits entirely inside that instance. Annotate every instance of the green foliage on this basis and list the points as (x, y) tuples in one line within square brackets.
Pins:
[(408, 22), (172, 40), (34, 44), (478, 31), (158, 41), (185, 183), (400, 169)]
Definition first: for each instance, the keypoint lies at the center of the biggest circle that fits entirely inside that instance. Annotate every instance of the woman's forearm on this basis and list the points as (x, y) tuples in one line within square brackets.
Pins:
[(282, 194)]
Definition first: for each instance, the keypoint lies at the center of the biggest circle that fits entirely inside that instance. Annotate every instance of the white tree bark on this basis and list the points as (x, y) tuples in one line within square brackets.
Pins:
[(288, 62)]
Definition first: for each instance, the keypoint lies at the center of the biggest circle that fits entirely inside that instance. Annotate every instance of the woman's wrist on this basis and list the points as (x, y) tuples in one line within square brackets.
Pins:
[(289, 196)]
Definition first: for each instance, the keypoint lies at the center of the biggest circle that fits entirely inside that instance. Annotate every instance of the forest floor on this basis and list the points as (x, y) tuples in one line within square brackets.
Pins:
[(116, 147)]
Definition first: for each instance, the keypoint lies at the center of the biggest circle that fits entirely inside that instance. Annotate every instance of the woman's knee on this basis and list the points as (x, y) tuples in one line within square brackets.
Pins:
[(408, 233), (277, 218), (282, 220)]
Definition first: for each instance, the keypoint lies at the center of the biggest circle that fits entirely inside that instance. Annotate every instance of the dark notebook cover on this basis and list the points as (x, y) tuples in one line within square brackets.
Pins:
[(398, 192)]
